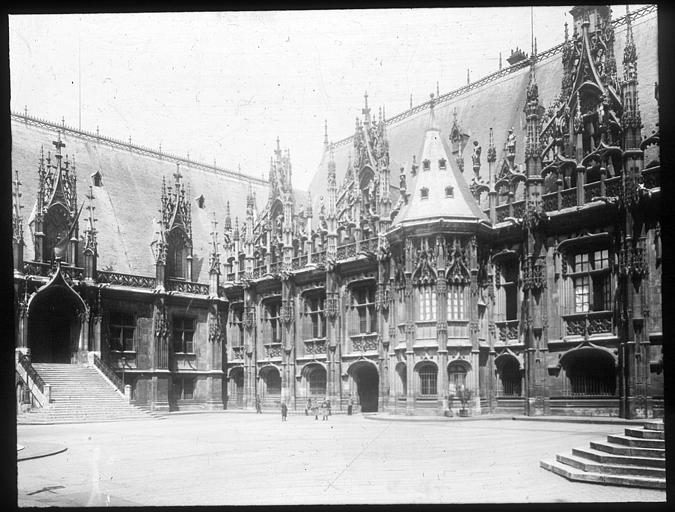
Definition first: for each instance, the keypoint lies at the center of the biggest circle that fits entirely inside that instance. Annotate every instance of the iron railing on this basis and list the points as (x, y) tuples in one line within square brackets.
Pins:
[(32, 373), (178, 285), (109, 373)]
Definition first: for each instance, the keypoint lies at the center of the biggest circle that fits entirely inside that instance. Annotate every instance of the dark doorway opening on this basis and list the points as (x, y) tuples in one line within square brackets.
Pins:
[(367, 384), (53, 326)]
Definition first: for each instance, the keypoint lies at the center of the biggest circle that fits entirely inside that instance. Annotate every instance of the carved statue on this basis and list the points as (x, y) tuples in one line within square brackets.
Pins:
[(511, 142), (475, 157)]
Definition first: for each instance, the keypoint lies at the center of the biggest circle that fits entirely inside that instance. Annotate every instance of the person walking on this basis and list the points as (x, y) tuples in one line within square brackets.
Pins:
[(258, 406), (328, 404), (284, 411), (324, 411), (308, 407), (350, 405), (315, 410)]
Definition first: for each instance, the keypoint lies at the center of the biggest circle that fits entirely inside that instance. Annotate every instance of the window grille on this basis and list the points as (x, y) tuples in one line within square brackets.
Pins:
[(183, 333), (510, 379), (590, 374), (428, 378), (456, 376), (272, 381), (317, 382), (122, 329)]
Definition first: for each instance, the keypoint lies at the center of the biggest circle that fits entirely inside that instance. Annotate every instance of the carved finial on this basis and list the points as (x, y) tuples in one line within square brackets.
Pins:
[(468, 77), (500, 60), (410, 100)]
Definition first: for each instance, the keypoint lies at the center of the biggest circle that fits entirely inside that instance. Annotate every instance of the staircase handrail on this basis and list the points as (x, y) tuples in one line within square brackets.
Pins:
[(36, 385), (109, 374)]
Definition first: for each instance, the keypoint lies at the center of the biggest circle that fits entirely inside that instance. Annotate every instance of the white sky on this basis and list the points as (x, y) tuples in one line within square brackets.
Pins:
[(223, 85)]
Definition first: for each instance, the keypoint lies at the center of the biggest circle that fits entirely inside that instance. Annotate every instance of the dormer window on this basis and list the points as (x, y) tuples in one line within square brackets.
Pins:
[(200, 201), (96, 179), (424, 193), (449, 191), (441, 164), (426, 164)]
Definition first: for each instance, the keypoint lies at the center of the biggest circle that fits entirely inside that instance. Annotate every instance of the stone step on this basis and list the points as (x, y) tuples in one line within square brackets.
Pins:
[(578, 475), (654, 425), (654, 453), (612, 469), (645, 433), (608, 458), (632, 441)]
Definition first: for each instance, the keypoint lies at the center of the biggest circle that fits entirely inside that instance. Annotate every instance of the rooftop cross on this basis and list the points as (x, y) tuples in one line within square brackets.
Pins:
[(366, 111), (58, 144)]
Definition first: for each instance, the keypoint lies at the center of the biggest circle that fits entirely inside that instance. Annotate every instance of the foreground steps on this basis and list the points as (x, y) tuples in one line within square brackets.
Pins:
[(636, 458), (80, 394)]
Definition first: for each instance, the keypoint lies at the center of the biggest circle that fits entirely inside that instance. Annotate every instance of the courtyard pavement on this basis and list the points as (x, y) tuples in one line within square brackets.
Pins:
[(231, 459)]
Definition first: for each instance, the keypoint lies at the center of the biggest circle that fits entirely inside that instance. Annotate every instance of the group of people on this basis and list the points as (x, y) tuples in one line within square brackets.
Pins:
[(314, 407)]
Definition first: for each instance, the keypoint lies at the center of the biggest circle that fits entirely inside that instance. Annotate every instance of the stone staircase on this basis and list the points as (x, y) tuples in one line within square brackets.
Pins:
[(636, 458), (80, 394)]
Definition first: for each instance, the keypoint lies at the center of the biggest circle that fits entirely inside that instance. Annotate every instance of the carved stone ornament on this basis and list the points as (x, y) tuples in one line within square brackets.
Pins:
[(249, 318), (161, 323), (332, 308), (287, 311), (216, 332)]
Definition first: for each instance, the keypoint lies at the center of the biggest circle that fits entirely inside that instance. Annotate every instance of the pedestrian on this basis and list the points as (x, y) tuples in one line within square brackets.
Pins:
[(350, 405), (315, 410), (258, 406), (284, 411), (329, 411), (308, 407)]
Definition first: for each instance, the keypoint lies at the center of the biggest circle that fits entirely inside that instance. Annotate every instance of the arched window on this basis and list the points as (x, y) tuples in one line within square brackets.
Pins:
[(428, 379), (510, 379), (236, 325), (272, 381), (176, 264), (456, 376), (314, 322), (590, 373), (427, 302), (317, 382)]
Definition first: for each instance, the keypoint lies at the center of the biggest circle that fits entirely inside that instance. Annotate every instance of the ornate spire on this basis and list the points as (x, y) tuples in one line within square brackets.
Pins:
[(17, 220), (325, 133), (214, 255), (228, 217), (631, 121), (91, 243), (235, 235)]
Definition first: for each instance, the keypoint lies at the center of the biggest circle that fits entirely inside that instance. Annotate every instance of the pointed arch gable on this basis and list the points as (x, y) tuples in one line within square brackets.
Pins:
[(58, 281)]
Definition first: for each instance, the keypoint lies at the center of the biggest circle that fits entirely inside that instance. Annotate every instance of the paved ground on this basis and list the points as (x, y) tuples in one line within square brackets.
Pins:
[(221, 458)]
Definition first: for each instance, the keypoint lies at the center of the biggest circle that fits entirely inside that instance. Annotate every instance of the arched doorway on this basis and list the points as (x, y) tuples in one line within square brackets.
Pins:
[(510, 376), (367, 383), (54, 324), (590, 372)]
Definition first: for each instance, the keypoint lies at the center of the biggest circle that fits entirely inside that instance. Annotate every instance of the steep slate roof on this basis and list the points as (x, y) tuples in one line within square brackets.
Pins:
[(460, 207), (499, 105), (129, 197)]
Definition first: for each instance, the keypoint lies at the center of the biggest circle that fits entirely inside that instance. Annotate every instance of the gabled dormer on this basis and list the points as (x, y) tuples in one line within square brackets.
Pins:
[(54, 222), (177, 223)]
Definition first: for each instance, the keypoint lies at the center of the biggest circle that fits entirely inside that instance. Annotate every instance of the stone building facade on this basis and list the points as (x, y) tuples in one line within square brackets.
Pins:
[(529, 282)]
